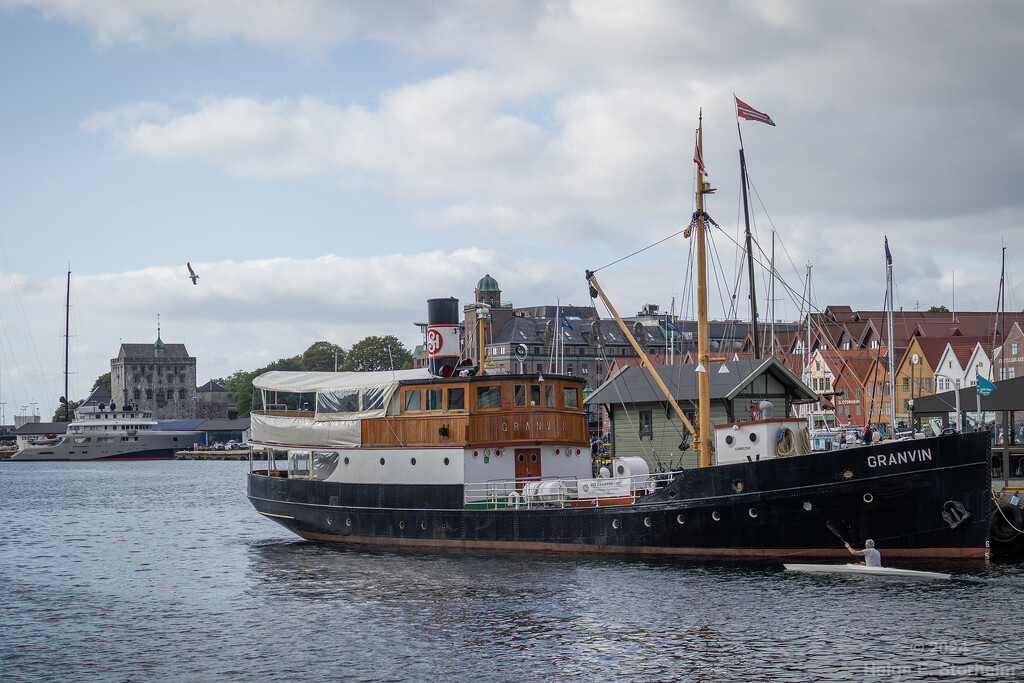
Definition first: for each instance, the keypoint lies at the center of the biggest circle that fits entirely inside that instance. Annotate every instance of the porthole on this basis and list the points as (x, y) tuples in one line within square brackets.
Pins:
[(647, 521), (520, 457), (752, 512), (533, 457), (737, 486), (847, 474), (807, 505), (716, 516), (729, 440), (423, 525), (446, 461), (680, 519), (401, 525), (620, 470), (329, 521), (348, 522), (753, 437), (615, 524), (346, 459), (382, 461), (412, 461), (868, 498)]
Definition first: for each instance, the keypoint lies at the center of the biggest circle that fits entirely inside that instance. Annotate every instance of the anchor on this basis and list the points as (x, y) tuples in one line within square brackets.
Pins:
[(954, 513)]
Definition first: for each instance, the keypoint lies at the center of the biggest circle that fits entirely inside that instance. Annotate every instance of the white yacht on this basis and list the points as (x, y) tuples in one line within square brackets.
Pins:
[(103, 431)]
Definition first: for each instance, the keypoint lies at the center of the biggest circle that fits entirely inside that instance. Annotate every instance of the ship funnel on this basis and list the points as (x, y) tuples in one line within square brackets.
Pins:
[(765, 410), (443, 336)]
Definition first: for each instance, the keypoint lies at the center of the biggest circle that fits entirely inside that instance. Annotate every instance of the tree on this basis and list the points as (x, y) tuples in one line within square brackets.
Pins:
[(239, 384), (938, 309), (103, 380), (320, 357), (378, 353), (58, 415)]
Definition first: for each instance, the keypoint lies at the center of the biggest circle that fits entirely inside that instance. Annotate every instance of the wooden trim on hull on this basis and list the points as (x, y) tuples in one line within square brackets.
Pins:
[(695, 553)]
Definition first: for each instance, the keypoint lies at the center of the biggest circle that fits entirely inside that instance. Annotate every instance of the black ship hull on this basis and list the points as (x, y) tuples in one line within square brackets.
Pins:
[(926, 498)]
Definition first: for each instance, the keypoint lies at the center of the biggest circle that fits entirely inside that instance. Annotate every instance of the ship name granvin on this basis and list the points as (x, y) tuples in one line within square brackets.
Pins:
[(900, 458)]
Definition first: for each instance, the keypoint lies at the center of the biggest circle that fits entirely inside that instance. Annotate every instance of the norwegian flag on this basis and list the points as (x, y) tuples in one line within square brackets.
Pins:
[(698, 159), (745, 111)]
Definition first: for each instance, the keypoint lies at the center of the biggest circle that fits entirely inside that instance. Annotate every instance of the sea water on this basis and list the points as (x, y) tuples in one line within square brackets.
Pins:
[(162, 571)]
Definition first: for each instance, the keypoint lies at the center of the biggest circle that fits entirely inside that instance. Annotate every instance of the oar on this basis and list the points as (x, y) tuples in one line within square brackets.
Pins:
[(833, 529)]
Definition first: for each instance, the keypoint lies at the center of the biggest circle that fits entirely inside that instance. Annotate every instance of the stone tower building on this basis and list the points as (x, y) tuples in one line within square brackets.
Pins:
[(157, 377)]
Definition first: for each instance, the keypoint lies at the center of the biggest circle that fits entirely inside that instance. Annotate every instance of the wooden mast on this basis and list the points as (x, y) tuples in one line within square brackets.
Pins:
[(703, 347), (703, 435)]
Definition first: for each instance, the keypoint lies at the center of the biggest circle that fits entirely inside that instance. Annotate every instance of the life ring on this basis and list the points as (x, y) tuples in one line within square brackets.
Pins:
[(1006, 524)]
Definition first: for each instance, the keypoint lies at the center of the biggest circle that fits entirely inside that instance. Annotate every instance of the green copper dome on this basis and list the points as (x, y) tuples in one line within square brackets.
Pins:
[(159, 345), (487, 284)]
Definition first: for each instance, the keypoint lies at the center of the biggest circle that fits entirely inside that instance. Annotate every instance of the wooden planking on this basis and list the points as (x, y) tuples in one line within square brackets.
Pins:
[(503, 427), (415, 430)]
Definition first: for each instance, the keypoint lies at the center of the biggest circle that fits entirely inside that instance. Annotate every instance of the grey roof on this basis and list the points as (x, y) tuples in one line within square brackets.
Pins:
[(189, 424), (211, 386), (220, 425), (518, 330), (99, 395), (635, 384), (37, 428), (144, 352)]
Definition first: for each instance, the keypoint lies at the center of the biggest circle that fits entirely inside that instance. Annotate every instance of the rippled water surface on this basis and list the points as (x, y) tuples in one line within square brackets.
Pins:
[(162, 571)]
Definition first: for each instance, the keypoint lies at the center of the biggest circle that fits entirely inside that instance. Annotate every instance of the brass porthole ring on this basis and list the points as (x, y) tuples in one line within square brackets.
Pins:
[(868, 498)]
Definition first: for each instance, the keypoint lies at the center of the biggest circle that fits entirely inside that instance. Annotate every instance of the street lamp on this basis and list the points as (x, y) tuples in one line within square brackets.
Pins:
[(956, 384), (910, 407)]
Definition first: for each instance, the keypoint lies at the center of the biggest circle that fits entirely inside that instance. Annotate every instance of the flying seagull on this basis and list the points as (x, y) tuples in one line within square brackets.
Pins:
[(192, 274)]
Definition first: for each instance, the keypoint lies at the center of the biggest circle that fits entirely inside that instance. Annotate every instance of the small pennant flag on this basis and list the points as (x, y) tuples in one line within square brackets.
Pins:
[(565, 323), (698, 159), (745, 111), (984, 387), (888, 254)]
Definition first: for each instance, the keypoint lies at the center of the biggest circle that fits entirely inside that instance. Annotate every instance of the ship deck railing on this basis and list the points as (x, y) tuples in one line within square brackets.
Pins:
[(559, 492)]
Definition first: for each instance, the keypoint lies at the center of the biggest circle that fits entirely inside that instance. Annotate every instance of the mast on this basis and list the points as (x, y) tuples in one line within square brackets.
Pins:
[(771, 299), (750, 253), (703, 435), (1000, 330), (892, 352), (67, 336), (703, 350)]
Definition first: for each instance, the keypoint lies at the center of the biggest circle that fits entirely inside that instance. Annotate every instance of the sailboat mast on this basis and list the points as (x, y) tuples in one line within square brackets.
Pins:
[(750, 253), (67, 345), (1000, 330), (892, 351), (703, 348)]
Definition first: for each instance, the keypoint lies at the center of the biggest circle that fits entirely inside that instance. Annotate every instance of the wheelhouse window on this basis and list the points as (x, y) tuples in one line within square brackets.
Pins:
[(549, 396), (571, 397), (520, 395), (456, 398), (534, 395), (488, 397), (435, 399), (413, 400)]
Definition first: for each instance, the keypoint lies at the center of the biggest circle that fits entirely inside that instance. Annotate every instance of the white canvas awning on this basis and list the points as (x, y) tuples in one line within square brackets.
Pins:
[(308, 382)]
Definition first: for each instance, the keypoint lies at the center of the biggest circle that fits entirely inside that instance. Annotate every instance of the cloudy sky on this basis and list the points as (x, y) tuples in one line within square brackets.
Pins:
[(327, 166)]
